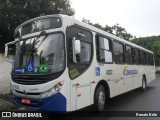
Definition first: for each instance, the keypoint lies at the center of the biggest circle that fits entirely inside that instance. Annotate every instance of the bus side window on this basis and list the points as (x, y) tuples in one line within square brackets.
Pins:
[(129, 55), (142, 55), (147, 58), (118, 49), (104, 53), (136, 57), (151, 59)]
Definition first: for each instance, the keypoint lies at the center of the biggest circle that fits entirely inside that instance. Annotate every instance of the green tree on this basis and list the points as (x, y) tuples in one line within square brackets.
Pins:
[(121, 32), (115, 29), (86, 21), (97, 25), (15, 12), (108, 29), (156, 50), (151, 43)]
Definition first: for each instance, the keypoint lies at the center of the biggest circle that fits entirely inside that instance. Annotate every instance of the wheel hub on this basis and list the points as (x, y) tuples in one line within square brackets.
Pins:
[(101, 98)]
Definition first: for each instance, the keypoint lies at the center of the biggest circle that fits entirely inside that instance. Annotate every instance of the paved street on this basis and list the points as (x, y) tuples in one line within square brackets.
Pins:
[(132, 101), (135, 101)]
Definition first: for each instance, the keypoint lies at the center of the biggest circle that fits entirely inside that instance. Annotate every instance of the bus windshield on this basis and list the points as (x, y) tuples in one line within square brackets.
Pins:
[(40, 55)]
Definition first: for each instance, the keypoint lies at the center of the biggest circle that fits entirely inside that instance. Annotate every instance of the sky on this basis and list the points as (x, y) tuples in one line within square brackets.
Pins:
[(140, 18)]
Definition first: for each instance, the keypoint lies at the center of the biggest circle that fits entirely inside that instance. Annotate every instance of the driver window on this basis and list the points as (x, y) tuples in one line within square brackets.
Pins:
[(84, 58)]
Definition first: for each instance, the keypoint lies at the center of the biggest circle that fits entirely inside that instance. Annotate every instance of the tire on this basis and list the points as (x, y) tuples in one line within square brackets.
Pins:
[(143, 88), (99, 98)]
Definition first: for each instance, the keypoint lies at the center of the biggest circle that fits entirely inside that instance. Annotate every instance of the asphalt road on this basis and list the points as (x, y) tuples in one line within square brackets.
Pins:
[(135, 100)]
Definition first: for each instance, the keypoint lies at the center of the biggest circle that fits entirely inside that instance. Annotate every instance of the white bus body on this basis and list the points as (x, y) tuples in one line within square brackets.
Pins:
[(102, 61)]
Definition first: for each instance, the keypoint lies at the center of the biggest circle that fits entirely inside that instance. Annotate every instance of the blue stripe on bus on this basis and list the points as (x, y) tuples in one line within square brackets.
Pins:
[(55, 103)]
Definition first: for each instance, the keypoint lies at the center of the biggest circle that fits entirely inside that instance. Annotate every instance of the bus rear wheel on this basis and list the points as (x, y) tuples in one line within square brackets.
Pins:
[(143, 88), (99, 98)]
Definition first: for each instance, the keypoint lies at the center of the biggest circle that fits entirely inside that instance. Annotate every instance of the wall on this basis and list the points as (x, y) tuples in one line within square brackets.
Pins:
[(5, 77)]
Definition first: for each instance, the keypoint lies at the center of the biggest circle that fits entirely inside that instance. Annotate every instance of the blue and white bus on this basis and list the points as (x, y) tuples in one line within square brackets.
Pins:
[(62, 64)]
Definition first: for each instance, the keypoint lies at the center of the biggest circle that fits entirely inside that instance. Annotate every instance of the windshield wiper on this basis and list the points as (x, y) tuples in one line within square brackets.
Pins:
[(41, 34), (41, 41), (31, 49)]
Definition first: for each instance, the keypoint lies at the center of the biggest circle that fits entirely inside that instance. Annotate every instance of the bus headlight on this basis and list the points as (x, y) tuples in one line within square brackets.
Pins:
[(53, 90), (12, 90)]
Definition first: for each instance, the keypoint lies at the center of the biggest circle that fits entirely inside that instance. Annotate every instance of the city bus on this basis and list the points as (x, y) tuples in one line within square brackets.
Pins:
[(62, 64)]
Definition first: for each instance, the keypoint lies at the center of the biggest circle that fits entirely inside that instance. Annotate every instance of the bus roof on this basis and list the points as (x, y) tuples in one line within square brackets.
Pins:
[(87, 26)]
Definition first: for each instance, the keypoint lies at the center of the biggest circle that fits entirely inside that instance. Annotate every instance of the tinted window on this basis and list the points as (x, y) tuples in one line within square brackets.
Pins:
[(142, 56), (118, 49), (128, 56), (136, 56), (151, 59), (147, 58), (29, 28)]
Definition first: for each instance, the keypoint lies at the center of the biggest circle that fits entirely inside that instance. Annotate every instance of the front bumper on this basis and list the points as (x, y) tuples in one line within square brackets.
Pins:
[(55, 103)]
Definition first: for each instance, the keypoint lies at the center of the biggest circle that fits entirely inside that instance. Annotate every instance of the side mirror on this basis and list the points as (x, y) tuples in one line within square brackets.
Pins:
[(76, 49), (9, 50)]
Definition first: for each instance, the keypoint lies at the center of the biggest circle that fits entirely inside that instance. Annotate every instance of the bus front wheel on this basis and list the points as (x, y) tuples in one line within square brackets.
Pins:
[(99, 98)]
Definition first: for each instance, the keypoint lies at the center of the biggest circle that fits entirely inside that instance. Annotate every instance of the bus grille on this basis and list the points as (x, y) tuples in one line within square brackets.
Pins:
[(29, 81)]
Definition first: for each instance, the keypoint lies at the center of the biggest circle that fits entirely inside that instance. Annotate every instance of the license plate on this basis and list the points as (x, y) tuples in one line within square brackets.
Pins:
[(26, 100)]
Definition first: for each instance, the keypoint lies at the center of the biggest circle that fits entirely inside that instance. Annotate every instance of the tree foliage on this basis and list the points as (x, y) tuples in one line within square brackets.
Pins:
[(115, 29), (151, 43), (108, 29), (156, 50), (15, 12), (121, 32)]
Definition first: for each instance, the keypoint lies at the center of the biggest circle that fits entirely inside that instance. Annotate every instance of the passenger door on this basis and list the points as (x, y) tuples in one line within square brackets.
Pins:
[(80, 72)]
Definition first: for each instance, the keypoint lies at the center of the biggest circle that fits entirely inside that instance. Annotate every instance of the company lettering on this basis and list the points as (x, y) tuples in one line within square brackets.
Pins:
[(130, 72)]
